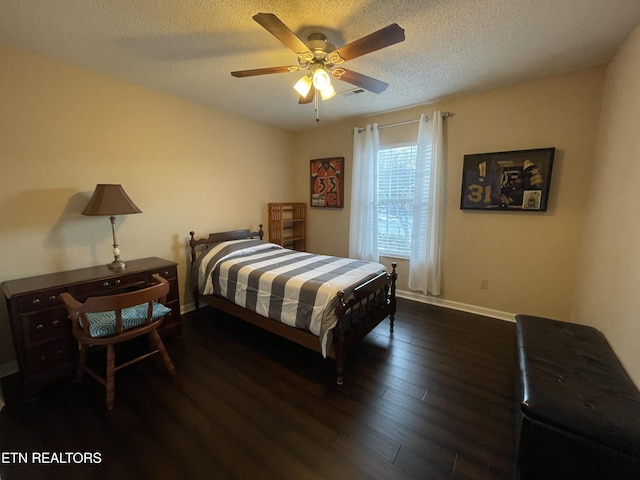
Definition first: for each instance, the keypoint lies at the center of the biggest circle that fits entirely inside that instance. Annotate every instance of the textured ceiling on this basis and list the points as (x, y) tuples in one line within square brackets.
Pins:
[(188, 48)]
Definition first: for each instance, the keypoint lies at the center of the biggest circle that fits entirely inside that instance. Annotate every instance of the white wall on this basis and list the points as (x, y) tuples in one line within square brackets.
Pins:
[(530, 258), (65, 129), (187, 167), (608, 284)]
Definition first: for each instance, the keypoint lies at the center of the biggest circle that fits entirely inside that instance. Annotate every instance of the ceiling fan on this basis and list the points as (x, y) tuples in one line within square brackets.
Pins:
[(321, 60)]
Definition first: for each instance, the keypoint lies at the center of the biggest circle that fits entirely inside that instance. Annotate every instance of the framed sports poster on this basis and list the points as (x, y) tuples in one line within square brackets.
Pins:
[(517, 180), (327, 182)]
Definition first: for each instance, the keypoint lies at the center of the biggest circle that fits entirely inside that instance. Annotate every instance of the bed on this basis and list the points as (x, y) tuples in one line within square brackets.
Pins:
[(327, 304)]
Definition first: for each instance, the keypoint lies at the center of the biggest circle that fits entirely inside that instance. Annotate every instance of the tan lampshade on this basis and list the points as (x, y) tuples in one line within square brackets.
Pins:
[(108, 199)]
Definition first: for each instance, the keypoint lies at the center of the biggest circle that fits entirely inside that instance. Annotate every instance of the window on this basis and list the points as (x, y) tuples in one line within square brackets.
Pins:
[(396, 181)]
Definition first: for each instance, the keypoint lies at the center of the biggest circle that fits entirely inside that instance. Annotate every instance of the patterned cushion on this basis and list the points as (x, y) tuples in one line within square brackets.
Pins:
[(103, 324)]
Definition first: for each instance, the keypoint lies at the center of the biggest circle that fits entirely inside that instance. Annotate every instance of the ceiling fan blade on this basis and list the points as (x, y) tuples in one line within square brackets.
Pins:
[(279, 30), (309, 97), (263, 71), (360, 80), (382, 38)]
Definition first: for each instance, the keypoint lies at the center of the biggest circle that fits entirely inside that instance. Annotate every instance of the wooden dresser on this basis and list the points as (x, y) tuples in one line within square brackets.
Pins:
[(45, 347)]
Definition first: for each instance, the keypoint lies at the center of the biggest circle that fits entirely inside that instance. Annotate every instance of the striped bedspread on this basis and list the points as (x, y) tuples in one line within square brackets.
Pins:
[(297, 288)]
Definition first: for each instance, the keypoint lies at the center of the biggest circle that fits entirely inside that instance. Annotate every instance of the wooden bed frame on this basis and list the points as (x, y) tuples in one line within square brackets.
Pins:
[(370, 303)]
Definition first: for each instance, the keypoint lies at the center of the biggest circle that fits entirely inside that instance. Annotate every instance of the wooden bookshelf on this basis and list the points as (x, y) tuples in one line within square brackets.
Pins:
[(288, 225)]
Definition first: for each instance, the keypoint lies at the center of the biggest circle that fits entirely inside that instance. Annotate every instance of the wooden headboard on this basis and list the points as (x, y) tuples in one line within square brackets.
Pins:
[(215, 238)]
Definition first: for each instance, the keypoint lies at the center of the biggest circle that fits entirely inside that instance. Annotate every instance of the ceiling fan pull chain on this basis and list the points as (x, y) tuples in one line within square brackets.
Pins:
[(316, 106)]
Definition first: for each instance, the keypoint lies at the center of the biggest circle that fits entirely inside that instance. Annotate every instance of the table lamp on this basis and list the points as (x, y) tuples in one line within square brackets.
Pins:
[(112, 200)]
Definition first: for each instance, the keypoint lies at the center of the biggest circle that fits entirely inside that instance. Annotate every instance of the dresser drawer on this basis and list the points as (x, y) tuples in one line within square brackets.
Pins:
[(172, 324), (42, 333), (45, 324), (38, 301), (171, 275), (109, 286), (50, 356), (168, 273), (173, 292)]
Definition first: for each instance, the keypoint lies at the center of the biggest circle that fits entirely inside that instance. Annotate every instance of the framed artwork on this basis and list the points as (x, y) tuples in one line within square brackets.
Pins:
[(327, 182), (517, 180)]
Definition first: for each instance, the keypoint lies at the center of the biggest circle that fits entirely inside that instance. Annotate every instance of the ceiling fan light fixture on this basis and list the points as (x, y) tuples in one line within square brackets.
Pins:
[(303, 86), (327, 92), (319, 59), (321, 79)]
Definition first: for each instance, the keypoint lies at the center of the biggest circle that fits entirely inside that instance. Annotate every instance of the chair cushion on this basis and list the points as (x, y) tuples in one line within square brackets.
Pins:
[(103, 324)]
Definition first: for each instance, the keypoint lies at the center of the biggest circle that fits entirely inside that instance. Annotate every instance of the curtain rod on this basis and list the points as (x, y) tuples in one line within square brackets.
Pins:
[(389, 125)]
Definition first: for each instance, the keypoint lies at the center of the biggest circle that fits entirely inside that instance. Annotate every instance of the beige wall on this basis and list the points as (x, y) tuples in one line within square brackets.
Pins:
[(65, 129), (187, 167), (530, 259), (607, 294)]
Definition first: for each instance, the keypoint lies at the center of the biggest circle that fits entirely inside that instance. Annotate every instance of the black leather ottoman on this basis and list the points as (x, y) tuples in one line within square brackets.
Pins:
[(578, 413)]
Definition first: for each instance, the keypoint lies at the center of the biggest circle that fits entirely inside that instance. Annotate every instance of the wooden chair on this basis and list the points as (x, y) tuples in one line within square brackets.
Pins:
[(113, 319)]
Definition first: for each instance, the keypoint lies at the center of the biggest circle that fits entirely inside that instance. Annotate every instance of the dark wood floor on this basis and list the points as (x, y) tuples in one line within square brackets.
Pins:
[(432, 401)]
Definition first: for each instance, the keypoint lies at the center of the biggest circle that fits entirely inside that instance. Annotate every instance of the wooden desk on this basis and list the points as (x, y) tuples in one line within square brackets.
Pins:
[(42, 336)]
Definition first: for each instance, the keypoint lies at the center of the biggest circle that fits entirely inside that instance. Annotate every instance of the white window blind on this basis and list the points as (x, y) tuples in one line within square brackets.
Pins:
[(396, 181)]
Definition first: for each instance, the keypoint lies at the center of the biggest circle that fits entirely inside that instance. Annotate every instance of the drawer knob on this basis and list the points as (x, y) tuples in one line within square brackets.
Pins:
[(55, 322), (39, 326), (117, 282), (105, 284), (35, 301)]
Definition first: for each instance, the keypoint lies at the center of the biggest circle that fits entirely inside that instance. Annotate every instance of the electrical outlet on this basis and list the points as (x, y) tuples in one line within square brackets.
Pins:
[(484, 283)]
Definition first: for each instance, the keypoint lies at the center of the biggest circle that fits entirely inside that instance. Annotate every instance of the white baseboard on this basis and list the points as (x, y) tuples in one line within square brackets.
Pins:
[(12, 367), (487, 312), (189, 307), (8, 369)]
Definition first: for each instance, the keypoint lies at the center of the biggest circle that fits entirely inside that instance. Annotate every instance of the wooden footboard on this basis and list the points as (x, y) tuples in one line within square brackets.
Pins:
[(358, 312), (369, 305)]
